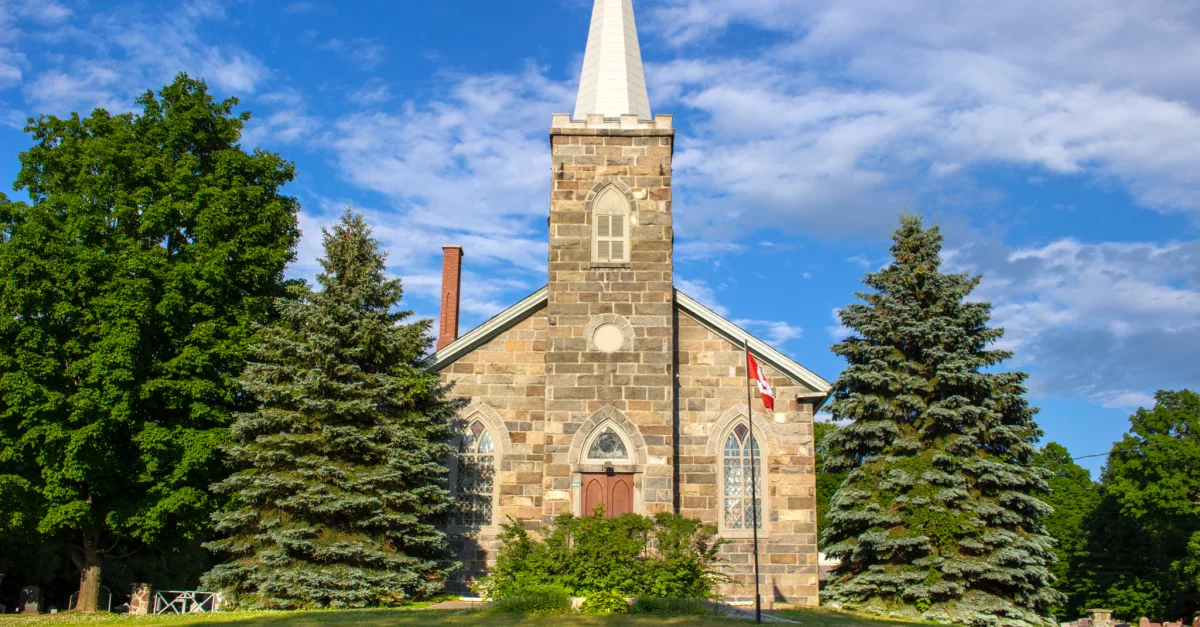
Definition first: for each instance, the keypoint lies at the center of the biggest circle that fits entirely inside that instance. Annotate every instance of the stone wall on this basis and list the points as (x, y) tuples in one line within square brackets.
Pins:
[(505, 382), (581, 380), (712, 400)]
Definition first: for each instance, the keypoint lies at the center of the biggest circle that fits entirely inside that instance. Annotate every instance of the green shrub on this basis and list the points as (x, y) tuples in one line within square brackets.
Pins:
[(604, 603), (655, 605), (665, 556), (538, 599)]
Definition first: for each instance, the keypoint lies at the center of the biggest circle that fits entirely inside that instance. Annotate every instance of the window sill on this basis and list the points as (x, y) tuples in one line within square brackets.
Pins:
[(743, 534), (604, 265)]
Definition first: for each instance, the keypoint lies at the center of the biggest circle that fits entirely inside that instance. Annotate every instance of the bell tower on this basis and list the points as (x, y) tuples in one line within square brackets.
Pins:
[(611, 297)]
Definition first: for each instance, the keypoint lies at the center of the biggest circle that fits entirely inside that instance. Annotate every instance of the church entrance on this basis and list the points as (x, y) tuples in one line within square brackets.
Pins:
[(613, 491)]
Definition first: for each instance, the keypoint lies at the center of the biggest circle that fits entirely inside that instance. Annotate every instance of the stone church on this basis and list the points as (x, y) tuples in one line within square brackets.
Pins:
[(611, 387)]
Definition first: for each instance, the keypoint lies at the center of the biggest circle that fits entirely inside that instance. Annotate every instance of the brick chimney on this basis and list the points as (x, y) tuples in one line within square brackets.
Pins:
[(451, 283)]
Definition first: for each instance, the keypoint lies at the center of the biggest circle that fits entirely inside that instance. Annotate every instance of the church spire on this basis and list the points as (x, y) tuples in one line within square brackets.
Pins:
[(613, 83)]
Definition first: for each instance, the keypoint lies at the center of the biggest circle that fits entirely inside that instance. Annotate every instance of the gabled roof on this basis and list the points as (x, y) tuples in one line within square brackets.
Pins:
[(533, 303)]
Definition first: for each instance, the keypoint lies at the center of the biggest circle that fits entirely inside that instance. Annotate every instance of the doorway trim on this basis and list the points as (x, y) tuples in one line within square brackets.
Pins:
[(577, 455)]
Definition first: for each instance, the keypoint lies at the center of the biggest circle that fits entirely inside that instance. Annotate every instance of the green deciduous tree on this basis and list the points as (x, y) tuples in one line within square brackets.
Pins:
[(128, 287), (1074, 497), (938, 518), (341, 470), (1144, 536)]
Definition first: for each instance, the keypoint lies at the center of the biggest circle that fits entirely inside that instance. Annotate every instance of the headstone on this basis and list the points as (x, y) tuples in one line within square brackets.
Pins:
[(1099, 618), (141, 601), (30, 601)]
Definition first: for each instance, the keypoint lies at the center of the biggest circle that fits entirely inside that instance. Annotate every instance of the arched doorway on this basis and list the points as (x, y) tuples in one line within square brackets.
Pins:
[(608, 459)]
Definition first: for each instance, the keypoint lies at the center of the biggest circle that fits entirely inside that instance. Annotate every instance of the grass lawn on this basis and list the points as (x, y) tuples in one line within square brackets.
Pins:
[(418, 618), (373, 618)]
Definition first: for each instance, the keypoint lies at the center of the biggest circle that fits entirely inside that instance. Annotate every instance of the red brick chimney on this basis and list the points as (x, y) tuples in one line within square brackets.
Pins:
[(451, 283)]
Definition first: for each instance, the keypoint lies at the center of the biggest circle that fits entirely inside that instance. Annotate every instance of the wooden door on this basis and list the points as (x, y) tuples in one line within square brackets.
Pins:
[(614, 492)]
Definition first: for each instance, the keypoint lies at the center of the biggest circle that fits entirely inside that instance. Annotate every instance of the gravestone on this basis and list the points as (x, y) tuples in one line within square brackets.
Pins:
[(1099, 617), (31, 600), (141, 599)]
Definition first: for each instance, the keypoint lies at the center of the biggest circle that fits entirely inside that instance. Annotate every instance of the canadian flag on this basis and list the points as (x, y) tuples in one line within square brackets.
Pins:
[(764, 388)]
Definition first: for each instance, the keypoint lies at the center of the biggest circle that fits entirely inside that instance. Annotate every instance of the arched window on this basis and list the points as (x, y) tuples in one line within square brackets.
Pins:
[(610, 231), (607, 444), (736, 477), (474, 480)]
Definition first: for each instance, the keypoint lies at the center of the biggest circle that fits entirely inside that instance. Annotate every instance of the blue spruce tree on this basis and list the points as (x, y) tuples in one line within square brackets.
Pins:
[(340, 481), (937, 519)]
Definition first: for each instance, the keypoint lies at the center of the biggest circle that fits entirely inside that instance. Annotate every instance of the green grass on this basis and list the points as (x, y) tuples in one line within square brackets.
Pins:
[(372, 618), (824, 617), (419, 618)]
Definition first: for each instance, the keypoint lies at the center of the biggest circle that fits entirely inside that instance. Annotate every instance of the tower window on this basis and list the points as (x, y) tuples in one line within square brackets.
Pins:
[(610, 216)]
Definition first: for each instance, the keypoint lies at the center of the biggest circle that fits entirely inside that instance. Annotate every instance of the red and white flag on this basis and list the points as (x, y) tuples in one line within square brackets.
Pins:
[(764, 388)]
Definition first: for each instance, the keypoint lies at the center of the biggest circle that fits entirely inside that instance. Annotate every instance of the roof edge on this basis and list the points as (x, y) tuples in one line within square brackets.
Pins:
[(738, 335), (483, 333), (533, 303)]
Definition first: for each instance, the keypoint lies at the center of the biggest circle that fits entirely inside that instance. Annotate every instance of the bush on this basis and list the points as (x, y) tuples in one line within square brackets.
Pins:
[(664, 556), (604, 603), (541, 599), (655, 605)]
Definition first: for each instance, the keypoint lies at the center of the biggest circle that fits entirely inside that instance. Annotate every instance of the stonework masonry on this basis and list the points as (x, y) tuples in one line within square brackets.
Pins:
[(587, 158), (673, 381)]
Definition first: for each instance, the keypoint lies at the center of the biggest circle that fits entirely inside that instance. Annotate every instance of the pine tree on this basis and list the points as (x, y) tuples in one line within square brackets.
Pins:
[(341, 475), (937, 519)]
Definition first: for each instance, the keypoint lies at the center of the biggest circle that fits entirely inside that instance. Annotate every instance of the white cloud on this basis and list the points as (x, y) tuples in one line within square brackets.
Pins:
[(774, 332), (375, 92), (131, 51), (838, 331), (864, 106), (11, 66), (702, 293), (470, 168), (365, 53), (1109, 321)]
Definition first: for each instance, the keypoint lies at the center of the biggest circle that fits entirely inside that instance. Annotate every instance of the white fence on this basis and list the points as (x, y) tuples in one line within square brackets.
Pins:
[(185, 602)]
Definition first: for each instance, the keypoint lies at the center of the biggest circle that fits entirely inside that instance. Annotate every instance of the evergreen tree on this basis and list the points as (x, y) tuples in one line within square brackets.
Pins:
[(937, 519), (128, 289), (828, 481), (1144, 536), (341, 473), (1074, 497)]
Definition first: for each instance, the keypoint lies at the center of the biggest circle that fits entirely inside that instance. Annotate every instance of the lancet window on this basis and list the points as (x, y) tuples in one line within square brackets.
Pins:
[(739, 506), (474, 482), (610, 233)]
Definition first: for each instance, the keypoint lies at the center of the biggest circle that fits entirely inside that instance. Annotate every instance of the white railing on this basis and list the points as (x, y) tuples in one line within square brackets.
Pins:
[(185, 602)]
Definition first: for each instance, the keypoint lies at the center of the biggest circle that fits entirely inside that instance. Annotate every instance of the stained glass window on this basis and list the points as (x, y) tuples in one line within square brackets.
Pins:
[(607, 445), (737, 493), (475, 477)]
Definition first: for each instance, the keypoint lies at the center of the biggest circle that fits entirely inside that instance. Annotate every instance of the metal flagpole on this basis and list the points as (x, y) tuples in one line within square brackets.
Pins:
[(753, 485)]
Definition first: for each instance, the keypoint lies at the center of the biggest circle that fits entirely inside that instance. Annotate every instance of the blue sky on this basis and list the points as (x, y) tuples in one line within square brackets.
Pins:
[(1054, 142)]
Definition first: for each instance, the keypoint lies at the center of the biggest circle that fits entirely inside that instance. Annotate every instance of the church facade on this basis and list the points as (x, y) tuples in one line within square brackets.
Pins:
[(611, 387)]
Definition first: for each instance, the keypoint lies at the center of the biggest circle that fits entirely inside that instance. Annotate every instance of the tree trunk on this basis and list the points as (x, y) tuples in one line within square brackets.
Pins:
[(90, 565)]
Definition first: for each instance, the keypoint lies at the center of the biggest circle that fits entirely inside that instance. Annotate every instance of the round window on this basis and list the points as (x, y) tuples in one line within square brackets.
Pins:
[(608, 338)]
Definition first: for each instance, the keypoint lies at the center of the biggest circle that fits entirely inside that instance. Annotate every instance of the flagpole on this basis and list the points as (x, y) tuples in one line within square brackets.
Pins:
[(753, 484)]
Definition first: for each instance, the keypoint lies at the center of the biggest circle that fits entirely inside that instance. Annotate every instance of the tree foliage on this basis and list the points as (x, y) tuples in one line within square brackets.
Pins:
[(828, 480), (1144, 536), (340, 471), (938, 518), (128, 289), (667, 556), (1074, 497)]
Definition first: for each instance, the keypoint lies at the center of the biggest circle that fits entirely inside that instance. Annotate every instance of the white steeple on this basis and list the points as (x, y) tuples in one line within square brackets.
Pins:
[(613, 83)]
